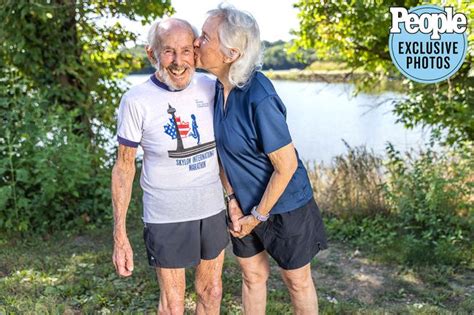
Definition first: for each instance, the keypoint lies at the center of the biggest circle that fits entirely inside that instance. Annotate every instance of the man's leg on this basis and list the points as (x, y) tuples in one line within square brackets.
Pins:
[(209, 285), (302, 291), (255, 272), (172, 286)]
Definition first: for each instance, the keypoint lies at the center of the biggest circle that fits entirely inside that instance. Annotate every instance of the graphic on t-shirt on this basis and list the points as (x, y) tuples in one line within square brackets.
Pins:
[(183, 127), (195, 133), (178, 130)]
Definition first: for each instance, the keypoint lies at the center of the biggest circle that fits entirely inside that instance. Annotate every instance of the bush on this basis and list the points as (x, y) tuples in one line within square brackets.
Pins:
[(431, 198), (416, 210), (50, 177), (352, 186)]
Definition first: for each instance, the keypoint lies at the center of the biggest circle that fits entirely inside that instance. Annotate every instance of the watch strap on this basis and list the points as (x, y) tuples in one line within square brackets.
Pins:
[(228, 198), (260, 217)]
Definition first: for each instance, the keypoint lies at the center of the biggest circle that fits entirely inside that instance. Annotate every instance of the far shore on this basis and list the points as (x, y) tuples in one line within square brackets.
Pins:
[(326, 76), (335, 76)]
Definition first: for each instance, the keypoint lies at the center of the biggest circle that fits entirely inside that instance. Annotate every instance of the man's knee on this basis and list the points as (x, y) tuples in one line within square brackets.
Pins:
[(253, 277), (211, 292)]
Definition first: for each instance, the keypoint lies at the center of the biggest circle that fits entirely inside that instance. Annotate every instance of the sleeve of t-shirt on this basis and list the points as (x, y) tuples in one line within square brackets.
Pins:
[(270, 124), (130, 122)]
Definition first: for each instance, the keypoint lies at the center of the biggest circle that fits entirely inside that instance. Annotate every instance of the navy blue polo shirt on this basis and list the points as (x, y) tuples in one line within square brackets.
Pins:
[(252, 126)]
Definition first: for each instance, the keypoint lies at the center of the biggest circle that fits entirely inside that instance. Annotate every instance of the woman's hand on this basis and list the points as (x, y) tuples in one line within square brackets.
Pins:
[(247, 224)]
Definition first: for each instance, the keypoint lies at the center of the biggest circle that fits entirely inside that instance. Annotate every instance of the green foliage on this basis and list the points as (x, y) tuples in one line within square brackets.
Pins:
[(139, 53), (61, 65), (430, 196), (50, 179), (277, 56), (376, 231), (416, 210), (356, 32)]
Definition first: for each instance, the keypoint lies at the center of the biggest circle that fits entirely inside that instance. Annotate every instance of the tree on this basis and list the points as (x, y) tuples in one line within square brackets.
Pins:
[(278, 57), (61, 63), (357, 33)]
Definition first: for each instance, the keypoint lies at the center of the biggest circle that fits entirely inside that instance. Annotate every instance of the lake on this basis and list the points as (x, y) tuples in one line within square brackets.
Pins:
[(321, 114)]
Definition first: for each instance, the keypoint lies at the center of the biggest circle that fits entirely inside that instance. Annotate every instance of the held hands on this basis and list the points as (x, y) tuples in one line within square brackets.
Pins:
[(240, 225), (235, 213), (247, 224), (123, 257)]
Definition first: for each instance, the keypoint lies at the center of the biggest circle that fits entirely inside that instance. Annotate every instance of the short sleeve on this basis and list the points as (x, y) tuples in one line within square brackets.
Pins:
[(270, 124), (130, 122)]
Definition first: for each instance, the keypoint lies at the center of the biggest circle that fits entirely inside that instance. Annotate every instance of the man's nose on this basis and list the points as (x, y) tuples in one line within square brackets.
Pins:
[(178, 58)]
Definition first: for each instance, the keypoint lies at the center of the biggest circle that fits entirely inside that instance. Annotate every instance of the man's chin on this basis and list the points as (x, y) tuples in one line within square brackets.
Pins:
[(180, 87), (181, 84), (176, 84)]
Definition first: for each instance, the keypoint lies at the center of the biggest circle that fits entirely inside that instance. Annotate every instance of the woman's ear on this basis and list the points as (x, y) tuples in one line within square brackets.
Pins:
[(234, 55)]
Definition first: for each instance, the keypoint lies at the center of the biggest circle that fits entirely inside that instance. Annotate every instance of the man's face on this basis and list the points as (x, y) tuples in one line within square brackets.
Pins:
[(207, 47), (176, 57)]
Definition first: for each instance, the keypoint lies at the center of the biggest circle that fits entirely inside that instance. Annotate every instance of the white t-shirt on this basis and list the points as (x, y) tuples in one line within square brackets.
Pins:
[(180, 172)]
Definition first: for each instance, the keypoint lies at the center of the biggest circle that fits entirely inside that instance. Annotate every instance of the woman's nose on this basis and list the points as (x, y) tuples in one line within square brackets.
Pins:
[(197, 42)]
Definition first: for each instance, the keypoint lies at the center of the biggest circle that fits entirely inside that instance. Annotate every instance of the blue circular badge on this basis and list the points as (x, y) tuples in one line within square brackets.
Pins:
[(420, 56)]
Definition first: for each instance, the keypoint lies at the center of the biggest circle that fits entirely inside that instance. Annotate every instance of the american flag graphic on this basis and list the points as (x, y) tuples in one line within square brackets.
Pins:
[(170, 128)]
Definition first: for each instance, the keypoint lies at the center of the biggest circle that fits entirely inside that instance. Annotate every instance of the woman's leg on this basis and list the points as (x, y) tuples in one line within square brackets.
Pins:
[(255, 272), (302, 291)]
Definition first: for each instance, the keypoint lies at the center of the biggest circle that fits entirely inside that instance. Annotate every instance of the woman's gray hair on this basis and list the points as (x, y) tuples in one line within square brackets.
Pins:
[(239, 30)]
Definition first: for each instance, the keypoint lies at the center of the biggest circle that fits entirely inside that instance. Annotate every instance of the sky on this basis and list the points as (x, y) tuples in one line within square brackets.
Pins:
[(275, 18)]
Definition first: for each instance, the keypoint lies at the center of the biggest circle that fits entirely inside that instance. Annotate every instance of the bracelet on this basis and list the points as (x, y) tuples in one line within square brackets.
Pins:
[(228, 198), (258, 216)]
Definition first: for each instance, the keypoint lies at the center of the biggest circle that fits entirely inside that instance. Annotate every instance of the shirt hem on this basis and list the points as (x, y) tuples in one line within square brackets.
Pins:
[(207, 215)]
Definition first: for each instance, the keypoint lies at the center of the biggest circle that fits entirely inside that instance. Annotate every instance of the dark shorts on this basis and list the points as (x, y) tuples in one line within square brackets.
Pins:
[(292, 238), (184, 244)]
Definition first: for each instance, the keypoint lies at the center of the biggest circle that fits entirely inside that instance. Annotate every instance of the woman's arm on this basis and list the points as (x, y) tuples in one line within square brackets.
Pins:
[(285, 163)]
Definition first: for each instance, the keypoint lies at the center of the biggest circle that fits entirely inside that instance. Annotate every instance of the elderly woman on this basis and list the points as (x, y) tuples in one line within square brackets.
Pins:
[(269, 195)]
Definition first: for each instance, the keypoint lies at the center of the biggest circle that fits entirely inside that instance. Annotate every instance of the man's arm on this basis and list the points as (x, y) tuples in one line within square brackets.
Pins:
[(123, 174), (285, 163), (235, 212)]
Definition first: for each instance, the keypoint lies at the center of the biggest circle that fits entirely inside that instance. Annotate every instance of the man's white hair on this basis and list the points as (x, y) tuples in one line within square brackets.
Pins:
[(238, 30), (154, 39)]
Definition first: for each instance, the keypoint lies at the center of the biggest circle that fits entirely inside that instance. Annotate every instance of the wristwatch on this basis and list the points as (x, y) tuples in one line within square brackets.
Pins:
[(258, 216), (228, 198)]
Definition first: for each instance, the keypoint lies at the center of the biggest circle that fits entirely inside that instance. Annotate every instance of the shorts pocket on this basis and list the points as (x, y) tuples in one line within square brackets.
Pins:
[(289, 224)]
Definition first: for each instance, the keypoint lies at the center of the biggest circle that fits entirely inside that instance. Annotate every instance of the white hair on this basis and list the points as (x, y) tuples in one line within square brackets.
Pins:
[(238, 30), (154, 39)]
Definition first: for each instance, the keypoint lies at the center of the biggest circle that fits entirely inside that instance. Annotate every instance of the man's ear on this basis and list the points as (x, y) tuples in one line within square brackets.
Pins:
[(234, 55), (150, 54)]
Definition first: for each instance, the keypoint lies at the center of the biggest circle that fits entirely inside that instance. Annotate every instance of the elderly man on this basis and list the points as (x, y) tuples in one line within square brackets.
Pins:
[(170, 116)]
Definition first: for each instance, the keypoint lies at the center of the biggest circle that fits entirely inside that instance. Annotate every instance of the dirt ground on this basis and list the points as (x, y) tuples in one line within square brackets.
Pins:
[(344, 274)]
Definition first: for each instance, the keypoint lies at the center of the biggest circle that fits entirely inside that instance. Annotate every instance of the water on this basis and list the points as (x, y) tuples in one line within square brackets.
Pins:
[(320, 115)]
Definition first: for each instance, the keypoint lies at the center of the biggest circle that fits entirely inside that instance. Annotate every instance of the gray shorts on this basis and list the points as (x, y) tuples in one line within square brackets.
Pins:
[(184, 244)]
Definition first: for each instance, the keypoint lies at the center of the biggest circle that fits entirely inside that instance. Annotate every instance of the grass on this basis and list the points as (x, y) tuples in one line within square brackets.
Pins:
[(74, 275)]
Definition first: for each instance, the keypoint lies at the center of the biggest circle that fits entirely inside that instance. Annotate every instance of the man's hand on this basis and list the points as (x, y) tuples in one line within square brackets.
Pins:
[(247, 224), (235, 213), (123, 257)]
